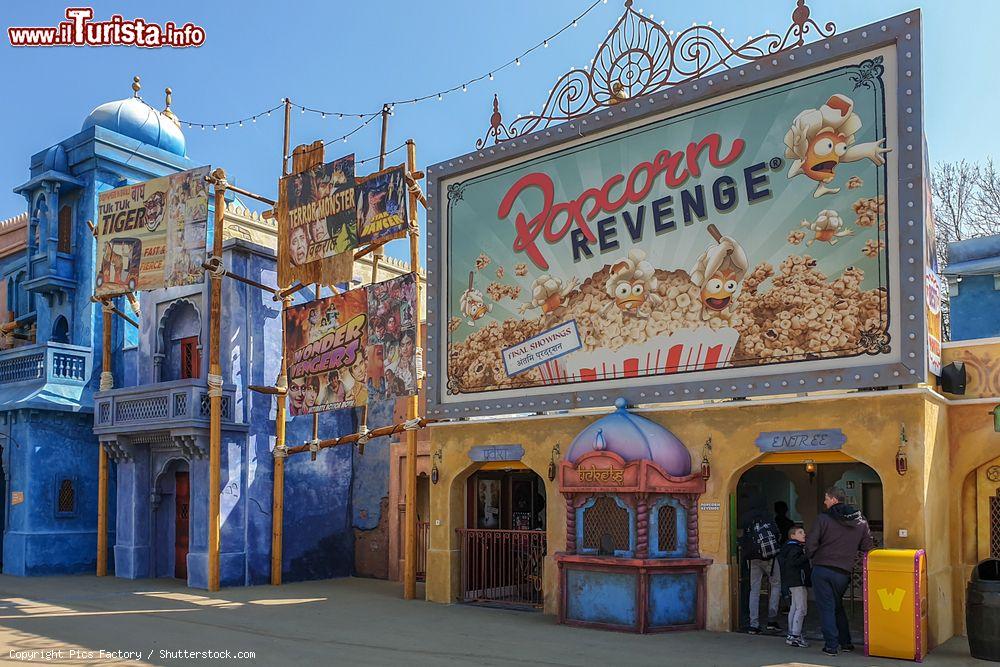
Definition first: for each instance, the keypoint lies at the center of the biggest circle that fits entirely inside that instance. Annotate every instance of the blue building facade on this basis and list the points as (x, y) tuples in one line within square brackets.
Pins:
[(153, 421), (973, 275), (50, 371)]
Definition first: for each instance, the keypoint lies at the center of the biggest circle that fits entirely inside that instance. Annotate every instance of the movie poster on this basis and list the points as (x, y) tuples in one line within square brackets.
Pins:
[(345, 348), (152, 234), (321, 212), (325, 346), (381, 200), (392, 338)]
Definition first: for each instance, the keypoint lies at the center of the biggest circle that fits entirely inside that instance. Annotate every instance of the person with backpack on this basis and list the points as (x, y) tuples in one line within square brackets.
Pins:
[(795, 581), (761, 544), (834, 542)]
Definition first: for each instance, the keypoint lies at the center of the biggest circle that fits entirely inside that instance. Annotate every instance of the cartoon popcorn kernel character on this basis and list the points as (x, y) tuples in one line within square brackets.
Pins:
[(632, 282), (548, 293), (821, 139), (827, 228), (472, 303), (720, 270)]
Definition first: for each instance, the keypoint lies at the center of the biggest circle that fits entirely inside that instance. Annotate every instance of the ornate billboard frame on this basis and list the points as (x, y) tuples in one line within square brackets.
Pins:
[(906, 256)]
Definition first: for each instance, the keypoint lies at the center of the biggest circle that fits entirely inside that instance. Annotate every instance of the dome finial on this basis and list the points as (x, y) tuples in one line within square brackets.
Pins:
[(621, 403), (136, 86), (166, 111)]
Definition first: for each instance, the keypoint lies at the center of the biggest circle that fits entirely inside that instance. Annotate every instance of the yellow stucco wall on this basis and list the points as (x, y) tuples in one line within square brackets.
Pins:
[(918, 502)]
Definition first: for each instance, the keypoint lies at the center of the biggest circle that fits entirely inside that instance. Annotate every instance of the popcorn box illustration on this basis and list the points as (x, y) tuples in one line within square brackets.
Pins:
[(689, 350)]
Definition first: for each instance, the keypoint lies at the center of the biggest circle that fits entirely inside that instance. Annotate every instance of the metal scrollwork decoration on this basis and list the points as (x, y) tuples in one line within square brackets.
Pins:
[(639, 57), (868, 71), (875, 342)]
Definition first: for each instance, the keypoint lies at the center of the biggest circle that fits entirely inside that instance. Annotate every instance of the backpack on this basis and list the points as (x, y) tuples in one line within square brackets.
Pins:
[(763, 540)]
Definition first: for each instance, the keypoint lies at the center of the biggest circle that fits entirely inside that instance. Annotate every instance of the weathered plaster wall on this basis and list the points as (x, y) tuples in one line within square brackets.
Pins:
[(871, 422), (370, 498), (42, 447)]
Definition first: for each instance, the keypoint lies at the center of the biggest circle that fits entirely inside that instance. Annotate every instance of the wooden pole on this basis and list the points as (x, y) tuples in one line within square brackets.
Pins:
[(215, 388), (278, 491), (287, 137), (107, 383), (410, 533), (280, 418)]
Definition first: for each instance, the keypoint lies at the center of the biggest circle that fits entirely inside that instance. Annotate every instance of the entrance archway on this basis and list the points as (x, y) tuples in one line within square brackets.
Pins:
[(171, 520), (799, 481), (503, 545)]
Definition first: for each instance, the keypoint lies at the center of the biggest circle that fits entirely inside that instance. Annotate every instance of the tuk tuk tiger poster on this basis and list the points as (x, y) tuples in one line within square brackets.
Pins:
[(152, 234)]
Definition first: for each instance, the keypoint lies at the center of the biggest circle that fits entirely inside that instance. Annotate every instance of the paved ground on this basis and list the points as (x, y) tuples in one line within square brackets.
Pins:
[(342, 622)]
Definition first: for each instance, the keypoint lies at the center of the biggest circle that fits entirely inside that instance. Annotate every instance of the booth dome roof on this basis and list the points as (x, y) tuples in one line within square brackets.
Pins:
[(134, 118), (633, 438)]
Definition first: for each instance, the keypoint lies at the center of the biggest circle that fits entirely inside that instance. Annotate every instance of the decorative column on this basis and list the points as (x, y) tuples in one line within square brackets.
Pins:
[(642, 526), (570, 523), (692, 526)]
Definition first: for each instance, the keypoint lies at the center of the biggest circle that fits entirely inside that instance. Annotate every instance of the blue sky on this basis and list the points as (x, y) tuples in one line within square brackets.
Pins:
[(353, 56)]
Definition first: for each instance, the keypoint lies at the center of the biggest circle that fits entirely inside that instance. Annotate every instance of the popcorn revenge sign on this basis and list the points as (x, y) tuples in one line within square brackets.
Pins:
[(757, 231)]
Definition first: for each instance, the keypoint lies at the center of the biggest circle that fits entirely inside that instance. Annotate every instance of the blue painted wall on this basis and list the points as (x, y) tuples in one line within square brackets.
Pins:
[(975, 310)]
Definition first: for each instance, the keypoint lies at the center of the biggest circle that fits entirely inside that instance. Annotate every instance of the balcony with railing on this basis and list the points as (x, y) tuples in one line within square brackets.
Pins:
[(57, 363), (160, 406)]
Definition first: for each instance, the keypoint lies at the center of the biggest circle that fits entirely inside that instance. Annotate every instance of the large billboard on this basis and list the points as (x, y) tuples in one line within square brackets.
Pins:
[(747, 233), (152, 234)]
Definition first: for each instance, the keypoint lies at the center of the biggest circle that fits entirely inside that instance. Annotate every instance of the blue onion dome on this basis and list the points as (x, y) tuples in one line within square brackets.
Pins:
[(134, 118), (633, 438)]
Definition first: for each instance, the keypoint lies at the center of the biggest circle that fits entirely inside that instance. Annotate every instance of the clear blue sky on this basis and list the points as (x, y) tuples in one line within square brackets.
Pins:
[(355, 55)]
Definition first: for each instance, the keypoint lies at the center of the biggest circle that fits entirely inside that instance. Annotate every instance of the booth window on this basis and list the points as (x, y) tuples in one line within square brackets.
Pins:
[(65, 240), (65, 497), (995, 526), (606, 527), (189, 358), (668, 529)]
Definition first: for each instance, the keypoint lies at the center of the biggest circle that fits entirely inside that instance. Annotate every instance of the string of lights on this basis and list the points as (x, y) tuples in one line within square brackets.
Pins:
[(368, 116)]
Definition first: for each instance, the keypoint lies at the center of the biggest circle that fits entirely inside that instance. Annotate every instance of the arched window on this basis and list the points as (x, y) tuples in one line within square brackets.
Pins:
[(605, 526), (60, 330), (21, 304), (65, 496), (65, 243)]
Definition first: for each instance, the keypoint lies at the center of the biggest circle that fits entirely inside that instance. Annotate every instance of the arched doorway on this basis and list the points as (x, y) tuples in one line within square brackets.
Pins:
[(60, 330), (799, 482), (503, 545), (171, 520)]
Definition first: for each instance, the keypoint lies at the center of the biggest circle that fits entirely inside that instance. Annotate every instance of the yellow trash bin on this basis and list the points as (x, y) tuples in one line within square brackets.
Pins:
[(895, 590)]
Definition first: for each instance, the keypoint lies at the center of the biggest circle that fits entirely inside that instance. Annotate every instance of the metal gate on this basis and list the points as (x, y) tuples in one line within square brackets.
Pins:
[(502, 566), (423, 539)]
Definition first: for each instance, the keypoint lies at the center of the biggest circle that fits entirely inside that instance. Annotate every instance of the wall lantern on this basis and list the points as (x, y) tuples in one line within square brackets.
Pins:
[(706, 466), (996, 418), (435, 473), (552, 462), (811, 469), (901, 463)]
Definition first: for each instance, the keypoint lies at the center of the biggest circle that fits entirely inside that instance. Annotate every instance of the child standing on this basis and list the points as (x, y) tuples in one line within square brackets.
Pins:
[(795, 578)]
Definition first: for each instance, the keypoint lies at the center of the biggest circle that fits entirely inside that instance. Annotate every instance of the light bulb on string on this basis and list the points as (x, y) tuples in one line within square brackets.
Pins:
[(255, 119), (517, 61), (491, 76), (215, 128), (439, 97), (227, 126), (545, 44), (241, 123), (574, 23), (323, 115), (464, 88)]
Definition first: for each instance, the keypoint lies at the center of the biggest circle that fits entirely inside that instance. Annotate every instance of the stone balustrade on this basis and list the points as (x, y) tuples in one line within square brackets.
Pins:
[(159, 406), (57, 363)]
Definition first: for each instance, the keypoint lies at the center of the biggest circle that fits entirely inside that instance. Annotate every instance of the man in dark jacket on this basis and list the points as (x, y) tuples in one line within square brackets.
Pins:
[(832, 546)]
